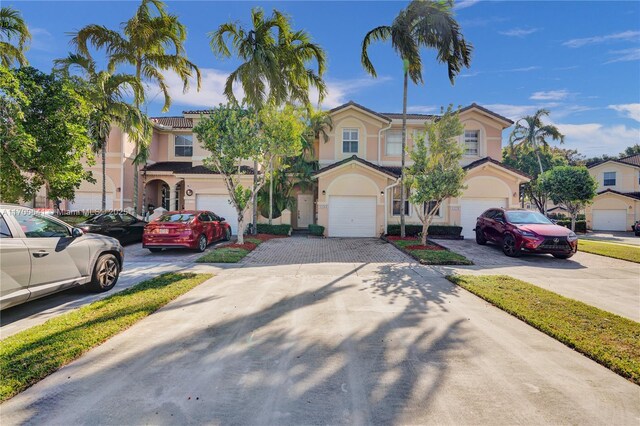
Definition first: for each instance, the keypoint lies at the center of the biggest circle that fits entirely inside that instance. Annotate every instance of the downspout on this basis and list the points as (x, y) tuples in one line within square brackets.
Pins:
[(379, 136), (386, 208)]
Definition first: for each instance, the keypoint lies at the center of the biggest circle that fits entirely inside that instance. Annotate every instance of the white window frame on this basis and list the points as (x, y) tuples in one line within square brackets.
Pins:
[(406, 200), (469, 139), (182, 145), (397, 133), (350, 140), (604, 179), (438, 213)]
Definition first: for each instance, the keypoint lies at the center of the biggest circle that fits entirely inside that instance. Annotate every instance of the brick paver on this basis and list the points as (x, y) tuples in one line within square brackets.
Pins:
[(296, 250)]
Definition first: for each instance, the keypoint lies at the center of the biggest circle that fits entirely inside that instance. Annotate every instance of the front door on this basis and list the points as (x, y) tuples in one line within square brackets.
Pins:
[(305, 210)]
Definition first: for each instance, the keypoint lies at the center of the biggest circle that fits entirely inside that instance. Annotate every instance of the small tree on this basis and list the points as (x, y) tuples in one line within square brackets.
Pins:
[(436, 173), (569, 187)]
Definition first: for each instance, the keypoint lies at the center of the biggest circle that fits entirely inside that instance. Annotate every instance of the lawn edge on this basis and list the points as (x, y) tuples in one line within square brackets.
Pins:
[(425, 262), (606, 255)]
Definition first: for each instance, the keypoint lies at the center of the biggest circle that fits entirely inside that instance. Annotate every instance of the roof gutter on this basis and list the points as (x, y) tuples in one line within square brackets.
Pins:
[(379, 136)]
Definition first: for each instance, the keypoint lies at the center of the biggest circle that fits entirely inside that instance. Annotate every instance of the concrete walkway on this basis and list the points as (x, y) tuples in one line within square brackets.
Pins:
[(329, 343)]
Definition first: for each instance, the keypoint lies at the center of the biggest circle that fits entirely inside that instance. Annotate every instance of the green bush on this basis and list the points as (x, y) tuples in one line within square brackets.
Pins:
[(581, 225), (265, 228), (435, 230), (316, 230)]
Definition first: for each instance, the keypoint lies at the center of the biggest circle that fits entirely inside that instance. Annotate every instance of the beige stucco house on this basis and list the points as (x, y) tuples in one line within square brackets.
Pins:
[(357, 190), (617, 205)]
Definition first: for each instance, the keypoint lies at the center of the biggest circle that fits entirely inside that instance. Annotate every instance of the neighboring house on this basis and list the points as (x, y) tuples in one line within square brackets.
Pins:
[(357, 191), (617, 205)]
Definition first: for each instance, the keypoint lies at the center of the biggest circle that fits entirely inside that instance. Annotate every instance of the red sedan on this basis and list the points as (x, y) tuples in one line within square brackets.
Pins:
[(185, 229), (517, 231)]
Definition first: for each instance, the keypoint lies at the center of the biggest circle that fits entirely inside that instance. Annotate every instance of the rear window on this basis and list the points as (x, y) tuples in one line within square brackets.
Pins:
[(178, 217)]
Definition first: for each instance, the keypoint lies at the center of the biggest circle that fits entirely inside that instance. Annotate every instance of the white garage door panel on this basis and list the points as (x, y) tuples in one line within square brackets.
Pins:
[(471, 208), (352, 216), (219, 204), (609, 220), (90, 201)]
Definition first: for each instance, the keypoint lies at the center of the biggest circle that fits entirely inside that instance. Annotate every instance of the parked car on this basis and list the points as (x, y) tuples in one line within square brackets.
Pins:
[(636, 228), (40, 255), (121, 226), (185, 229), (519, 231)]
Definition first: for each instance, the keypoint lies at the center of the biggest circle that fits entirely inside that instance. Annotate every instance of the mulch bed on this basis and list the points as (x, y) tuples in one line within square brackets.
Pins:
[(247, 246), (397, 238), (421, 247)]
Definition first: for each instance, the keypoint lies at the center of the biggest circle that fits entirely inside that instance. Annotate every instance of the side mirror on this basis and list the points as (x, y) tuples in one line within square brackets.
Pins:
[(222, 219), (77, 232)]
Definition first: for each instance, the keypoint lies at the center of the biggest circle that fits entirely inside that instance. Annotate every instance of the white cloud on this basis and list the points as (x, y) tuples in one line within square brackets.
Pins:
[(482, 21), (625, 55), (551, 95), (631, 111), (523, 69), (514, 112), (621, 36), (463, 4), (339, 91), (519, 32), (596, 139), (424, 109), (41, 39)]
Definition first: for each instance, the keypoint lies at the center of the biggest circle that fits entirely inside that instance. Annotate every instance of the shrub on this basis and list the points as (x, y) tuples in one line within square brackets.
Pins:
[(435, 230), (316, 230), (581, 225), (265, 228)]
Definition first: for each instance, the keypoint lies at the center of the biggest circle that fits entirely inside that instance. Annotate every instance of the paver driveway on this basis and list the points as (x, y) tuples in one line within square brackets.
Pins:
[(329, 343)]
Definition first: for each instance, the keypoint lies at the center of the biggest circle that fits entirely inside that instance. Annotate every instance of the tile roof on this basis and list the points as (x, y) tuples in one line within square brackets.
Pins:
[(185, 167), (497, 163), (370, 111), (632, 160), (410, 116), (385, 170), (198, 111), (487, 111), (174, 122), (635, 195)]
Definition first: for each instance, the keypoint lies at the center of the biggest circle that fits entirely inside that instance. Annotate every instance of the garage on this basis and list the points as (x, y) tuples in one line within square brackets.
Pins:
[(352, 216), (90, 201), (471, 208), (220, 205), (609, 220)]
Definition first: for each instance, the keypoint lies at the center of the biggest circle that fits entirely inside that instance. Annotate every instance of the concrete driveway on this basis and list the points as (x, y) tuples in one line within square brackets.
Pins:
[(609, 284), (329, 343)]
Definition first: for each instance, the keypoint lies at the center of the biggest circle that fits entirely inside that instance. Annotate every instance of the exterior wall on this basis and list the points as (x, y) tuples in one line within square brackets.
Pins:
[(626, 176), (159, 149), (614, 202)]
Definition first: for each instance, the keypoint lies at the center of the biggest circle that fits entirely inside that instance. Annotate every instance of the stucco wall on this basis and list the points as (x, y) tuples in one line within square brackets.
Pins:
[(626, 177), (614, 202)]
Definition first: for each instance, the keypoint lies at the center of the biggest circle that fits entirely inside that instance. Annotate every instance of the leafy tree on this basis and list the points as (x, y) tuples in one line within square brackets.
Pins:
[(630, 150), (152, 43), (107, 96), (13, 29), (569, 187), (424, 23), (44, 135), (436, 173)]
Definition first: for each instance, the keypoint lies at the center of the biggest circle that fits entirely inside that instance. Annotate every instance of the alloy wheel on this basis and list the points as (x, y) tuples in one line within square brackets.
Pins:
[(107, 273)]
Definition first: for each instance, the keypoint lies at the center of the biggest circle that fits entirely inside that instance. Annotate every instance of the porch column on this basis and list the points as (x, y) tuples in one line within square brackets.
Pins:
[(172, 196)]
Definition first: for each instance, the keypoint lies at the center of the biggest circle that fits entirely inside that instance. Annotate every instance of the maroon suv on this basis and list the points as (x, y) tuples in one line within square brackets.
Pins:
[(518, 231)]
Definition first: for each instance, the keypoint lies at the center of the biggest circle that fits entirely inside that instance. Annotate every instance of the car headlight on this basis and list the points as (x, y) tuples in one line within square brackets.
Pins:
[(572, 236), (526, 233)]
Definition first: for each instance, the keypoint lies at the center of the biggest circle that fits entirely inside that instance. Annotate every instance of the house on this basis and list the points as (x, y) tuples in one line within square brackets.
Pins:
[(357, 185), (617, 205)]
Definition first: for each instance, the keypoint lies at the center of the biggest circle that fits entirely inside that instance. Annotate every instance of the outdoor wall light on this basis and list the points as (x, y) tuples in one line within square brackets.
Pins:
[(324, 192)]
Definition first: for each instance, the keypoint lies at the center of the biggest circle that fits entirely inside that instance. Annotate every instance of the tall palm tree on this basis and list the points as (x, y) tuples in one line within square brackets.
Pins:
[(107, 93), (530, 132), (152, 43), (274, 64), (13, 28), (424, 23)]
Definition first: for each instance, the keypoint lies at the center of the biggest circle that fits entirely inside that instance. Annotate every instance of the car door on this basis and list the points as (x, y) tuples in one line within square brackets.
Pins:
[(113, 226), (57, 258), (217, 226), (15, 267), (205, 223), (499, 225), (133, 227)]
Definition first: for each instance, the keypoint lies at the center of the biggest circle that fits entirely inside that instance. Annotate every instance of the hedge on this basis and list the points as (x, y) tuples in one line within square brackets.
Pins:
[(316, 230), (415, 230), (581, 225), (265, 228)]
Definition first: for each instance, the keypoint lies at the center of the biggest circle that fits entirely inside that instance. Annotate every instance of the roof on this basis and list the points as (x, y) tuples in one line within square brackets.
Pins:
[(174, 122), (370, 111), (187, 168), (199, 111), (386, 170), (497, 163), (631, 160), (634, 195), (410, 116), (487, 111)]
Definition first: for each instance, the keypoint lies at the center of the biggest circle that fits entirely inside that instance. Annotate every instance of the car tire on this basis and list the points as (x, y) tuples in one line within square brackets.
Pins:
[(562, 256), (155, 250), (105, 274), (227, 234), (509, 246), (202, 244), (480, 239)]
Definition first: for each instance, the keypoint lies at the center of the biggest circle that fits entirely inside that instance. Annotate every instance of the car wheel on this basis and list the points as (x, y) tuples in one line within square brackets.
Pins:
[(227, 234), (562, 256), (105, 274), (480, 239), (509, 246), (155, 250), (202, 243)]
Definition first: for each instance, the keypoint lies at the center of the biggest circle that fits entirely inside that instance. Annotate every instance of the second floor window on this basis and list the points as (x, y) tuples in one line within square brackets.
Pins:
[(609, 179), (350, 140), (471, 142), (394, 143), (184, 146)]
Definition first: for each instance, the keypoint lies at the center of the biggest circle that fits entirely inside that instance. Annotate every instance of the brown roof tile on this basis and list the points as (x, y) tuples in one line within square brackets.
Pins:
[(174, 122)]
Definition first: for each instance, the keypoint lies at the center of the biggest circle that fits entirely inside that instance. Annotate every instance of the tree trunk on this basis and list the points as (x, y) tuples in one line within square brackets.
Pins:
[(402, 161), (136, 170), (544, 207), (271, 193), (104, 175), (573, 221), (240, 228), (254, 231), (425, 232)]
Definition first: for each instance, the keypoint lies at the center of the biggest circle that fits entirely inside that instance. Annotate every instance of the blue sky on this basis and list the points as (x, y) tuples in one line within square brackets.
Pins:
[(581, 60)]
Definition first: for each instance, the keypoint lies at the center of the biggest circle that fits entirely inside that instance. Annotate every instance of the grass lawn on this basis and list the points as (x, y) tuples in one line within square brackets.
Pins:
[(234, 253), (617, 251), (31, 355), (609, 339), (432, 254)]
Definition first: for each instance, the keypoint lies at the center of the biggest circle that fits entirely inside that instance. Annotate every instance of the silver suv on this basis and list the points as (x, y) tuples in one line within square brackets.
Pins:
[(40, 255)]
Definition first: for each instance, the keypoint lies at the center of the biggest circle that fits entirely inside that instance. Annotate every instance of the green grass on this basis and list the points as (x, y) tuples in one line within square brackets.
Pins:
[(609, 339), (433, 257), (31, 355), (617, 251), (224, 255)]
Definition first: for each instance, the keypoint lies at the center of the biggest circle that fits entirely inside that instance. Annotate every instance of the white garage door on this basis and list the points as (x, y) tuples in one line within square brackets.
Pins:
[(609, 220), (219, 204), (471, 208), (90, 201), (352, 216)]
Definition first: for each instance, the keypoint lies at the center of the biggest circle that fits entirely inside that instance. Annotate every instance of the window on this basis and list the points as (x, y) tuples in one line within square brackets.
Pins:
[(35, 226), (394, 143), (127, 219), (184, 146), (350, 140), (397, 202), (471, 142), (609, 178), (429, 206), (4, 229)]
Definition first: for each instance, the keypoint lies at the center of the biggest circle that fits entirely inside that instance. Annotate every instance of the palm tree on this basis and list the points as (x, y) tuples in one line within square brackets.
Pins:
[(12, 27), (530, 132), (274, 64), (152, 44), (107, 93), (427, 24)]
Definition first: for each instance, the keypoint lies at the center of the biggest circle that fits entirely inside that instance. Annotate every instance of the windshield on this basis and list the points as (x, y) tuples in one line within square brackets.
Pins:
[(178, 217), (526, 217)]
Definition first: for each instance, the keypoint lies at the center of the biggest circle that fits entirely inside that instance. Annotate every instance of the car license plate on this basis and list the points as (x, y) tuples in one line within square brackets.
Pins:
[(163, 231)]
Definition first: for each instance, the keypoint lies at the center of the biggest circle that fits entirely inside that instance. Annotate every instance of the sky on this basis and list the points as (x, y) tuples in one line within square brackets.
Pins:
[(580, 60)]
